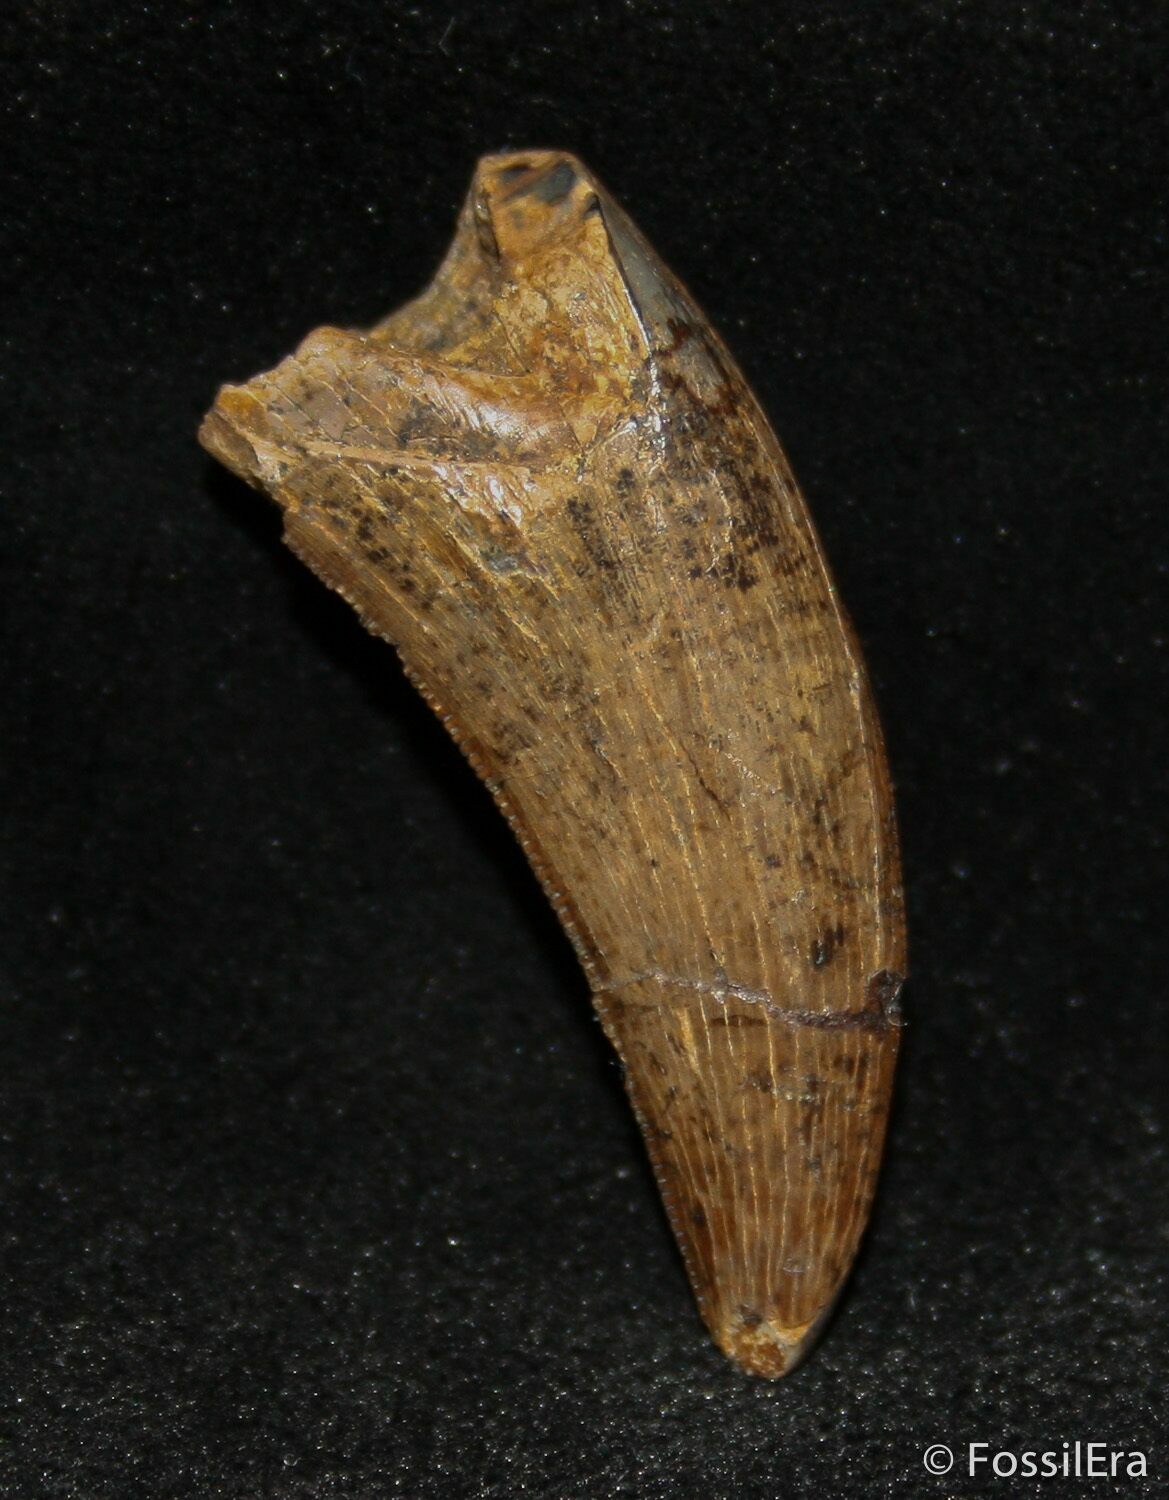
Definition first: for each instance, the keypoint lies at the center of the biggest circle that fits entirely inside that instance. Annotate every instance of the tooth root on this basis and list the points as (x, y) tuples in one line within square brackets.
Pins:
[(765, 1130), (547, 483)]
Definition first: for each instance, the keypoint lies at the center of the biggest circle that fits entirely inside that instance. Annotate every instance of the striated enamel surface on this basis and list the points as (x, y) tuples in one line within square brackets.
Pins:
[(547, 483)]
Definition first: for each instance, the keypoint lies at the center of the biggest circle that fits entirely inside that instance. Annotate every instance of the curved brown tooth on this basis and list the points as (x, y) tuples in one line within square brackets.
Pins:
[(546, 481)]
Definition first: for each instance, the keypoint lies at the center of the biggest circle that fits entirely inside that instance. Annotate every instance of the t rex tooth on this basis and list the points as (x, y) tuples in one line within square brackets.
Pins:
[(547, 483)]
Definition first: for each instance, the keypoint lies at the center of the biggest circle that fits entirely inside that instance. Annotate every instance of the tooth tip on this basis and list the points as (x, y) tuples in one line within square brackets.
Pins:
[(765, 1348)]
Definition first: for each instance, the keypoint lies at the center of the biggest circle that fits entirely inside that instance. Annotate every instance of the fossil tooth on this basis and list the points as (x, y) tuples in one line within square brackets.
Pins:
[(547, 483)]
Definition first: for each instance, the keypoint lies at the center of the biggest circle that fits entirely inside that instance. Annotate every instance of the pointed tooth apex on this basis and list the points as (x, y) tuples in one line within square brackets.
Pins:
[(765, 1129), (761, 1347)]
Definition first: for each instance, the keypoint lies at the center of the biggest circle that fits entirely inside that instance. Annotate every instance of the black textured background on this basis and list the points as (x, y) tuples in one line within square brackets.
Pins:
[(318, 1179)]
